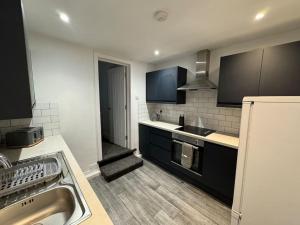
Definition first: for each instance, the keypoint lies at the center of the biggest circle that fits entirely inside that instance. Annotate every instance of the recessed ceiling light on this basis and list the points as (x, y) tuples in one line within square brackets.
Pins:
[(259, 16), (156, 52), (64, 17)]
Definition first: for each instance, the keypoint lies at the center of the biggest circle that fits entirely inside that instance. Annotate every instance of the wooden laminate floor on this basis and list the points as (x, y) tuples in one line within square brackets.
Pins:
[(149, 195)]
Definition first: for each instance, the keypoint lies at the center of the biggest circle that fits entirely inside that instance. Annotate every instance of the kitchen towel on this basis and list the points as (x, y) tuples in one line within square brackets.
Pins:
[(187, 155)]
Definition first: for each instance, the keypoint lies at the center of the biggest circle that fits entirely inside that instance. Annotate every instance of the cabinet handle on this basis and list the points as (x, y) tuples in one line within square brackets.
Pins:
[(181, 143), (178, 142)]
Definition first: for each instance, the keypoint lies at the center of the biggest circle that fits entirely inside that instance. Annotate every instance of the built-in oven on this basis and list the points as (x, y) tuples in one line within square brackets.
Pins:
[(198, 148)]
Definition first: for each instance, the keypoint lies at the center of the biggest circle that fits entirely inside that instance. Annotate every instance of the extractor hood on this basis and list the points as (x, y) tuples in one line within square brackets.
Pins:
[(202, 70)]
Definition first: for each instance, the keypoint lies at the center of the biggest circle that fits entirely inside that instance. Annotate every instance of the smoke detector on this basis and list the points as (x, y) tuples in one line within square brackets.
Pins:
[(160, 15)]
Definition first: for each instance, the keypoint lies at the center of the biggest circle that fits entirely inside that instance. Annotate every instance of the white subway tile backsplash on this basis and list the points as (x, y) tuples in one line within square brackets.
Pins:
[(48, 132), (20, 122), (42, 106), (37, 113), (4, 123), (45, 115), (233, 118), (54, 112), (45, 112), (200, 110), (55, 131), (54, 119), (53, 105)]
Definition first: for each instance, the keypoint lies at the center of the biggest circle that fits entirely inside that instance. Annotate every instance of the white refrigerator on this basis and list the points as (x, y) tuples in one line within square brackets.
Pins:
[(267, 185)]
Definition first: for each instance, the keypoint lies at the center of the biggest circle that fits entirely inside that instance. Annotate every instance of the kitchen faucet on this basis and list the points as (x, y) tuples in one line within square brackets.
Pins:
[(4, 162)]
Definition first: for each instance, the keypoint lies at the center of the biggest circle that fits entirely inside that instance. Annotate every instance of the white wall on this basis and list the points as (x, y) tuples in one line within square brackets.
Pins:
[(64, 73)]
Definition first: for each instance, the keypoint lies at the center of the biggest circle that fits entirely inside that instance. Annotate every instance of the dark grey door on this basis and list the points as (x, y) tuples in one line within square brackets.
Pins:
[(239, 77), (280, 74)]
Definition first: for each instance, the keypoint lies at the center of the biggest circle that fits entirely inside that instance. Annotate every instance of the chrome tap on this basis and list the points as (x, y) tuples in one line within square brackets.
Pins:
[(4, 162)]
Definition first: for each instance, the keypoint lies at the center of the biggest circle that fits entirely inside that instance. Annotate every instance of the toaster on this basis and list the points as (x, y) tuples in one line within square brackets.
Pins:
[(24, 137)]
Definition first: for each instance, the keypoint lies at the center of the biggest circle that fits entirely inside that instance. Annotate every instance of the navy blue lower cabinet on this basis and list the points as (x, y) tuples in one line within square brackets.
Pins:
[(144, 140), (219, 166)]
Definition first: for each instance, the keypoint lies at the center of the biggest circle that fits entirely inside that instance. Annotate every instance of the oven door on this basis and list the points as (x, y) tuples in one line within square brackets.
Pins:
[(197, 155)]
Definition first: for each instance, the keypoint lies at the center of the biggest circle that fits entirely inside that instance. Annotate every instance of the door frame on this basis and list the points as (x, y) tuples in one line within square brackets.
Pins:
[(99, 57)]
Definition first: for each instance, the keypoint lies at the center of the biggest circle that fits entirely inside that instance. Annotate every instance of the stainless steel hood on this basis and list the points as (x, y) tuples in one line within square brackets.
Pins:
[(202, 69)]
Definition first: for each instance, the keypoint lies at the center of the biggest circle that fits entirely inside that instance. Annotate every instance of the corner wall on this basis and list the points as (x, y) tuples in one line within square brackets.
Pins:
[(63, 72)]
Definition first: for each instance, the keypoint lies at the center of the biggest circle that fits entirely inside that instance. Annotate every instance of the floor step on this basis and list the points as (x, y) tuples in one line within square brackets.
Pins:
[(120, 167), (116, 156)]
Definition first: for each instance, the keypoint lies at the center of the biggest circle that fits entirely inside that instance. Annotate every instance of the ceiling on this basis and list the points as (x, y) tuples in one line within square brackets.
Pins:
[(127, 28)]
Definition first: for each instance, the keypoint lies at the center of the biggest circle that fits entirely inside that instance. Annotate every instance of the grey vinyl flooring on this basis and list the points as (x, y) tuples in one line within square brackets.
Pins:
[(149, 195)]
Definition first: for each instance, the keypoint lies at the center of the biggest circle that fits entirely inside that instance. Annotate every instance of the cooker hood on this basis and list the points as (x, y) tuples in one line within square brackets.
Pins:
[(202, 68)]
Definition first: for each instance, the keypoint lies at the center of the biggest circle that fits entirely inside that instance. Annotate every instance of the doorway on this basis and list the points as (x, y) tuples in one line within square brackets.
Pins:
[(113, 108)]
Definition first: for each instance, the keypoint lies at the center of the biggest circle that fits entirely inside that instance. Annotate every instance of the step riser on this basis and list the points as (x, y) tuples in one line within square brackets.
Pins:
[(121, 173), (115, 158)]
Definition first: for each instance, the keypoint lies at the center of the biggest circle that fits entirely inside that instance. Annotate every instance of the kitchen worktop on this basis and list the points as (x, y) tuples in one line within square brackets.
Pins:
[(217, 138), (55, 144)]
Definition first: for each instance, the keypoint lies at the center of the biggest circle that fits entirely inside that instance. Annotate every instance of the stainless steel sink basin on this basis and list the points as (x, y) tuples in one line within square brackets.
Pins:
[(58, 203)]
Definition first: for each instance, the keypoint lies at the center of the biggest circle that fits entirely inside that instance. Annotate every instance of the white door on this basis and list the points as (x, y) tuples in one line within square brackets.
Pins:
[(271, 181), (117, 103)]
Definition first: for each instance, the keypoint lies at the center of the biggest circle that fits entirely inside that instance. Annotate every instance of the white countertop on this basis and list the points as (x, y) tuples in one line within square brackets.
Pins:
[(55, 144), (217, 138)]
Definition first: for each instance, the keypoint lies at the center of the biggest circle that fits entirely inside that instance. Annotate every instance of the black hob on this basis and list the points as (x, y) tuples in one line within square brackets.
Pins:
[(196, 130)]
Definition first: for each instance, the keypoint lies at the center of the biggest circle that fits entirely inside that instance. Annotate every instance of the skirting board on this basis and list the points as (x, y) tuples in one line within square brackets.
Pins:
[(92, 172)]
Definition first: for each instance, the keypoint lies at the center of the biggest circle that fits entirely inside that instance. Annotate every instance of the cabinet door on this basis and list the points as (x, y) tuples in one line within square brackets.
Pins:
[(152, 86), (159, 154), (144, 140), (219, 165), (15, 96), (167, 85), (239, 77), (280, 74), (161, 85)]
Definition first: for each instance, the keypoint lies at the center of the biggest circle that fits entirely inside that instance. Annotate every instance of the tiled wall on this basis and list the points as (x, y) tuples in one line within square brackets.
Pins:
[(44, 114), (200, 110)]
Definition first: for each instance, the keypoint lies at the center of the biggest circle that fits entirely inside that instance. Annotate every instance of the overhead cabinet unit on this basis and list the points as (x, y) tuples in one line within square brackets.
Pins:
[(161, 85), (16, 84), (239, 77), (280, 74), (273, 71)]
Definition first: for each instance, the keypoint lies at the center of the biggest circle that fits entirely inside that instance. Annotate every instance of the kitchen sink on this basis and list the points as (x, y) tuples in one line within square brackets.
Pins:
[(56, 203)]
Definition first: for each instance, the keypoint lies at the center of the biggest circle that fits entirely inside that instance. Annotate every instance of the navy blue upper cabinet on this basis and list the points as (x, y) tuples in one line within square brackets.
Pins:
[(239, 77), (16, 86), (272, 71), (280, 75), (161, 85)]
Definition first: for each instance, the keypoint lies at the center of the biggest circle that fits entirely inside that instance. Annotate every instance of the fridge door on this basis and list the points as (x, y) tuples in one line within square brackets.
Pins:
[(238, 185), (271, 176)]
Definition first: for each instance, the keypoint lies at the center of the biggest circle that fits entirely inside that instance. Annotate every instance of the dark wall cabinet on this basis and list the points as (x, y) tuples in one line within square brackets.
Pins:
[(281, 71), (161, 85), (239, 77), (219, 162), (272, 71), (16, 86)]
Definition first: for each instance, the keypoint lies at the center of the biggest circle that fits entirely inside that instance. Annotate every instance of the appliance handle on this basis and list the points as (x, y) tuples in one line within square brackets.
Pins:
[(181, 143)]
